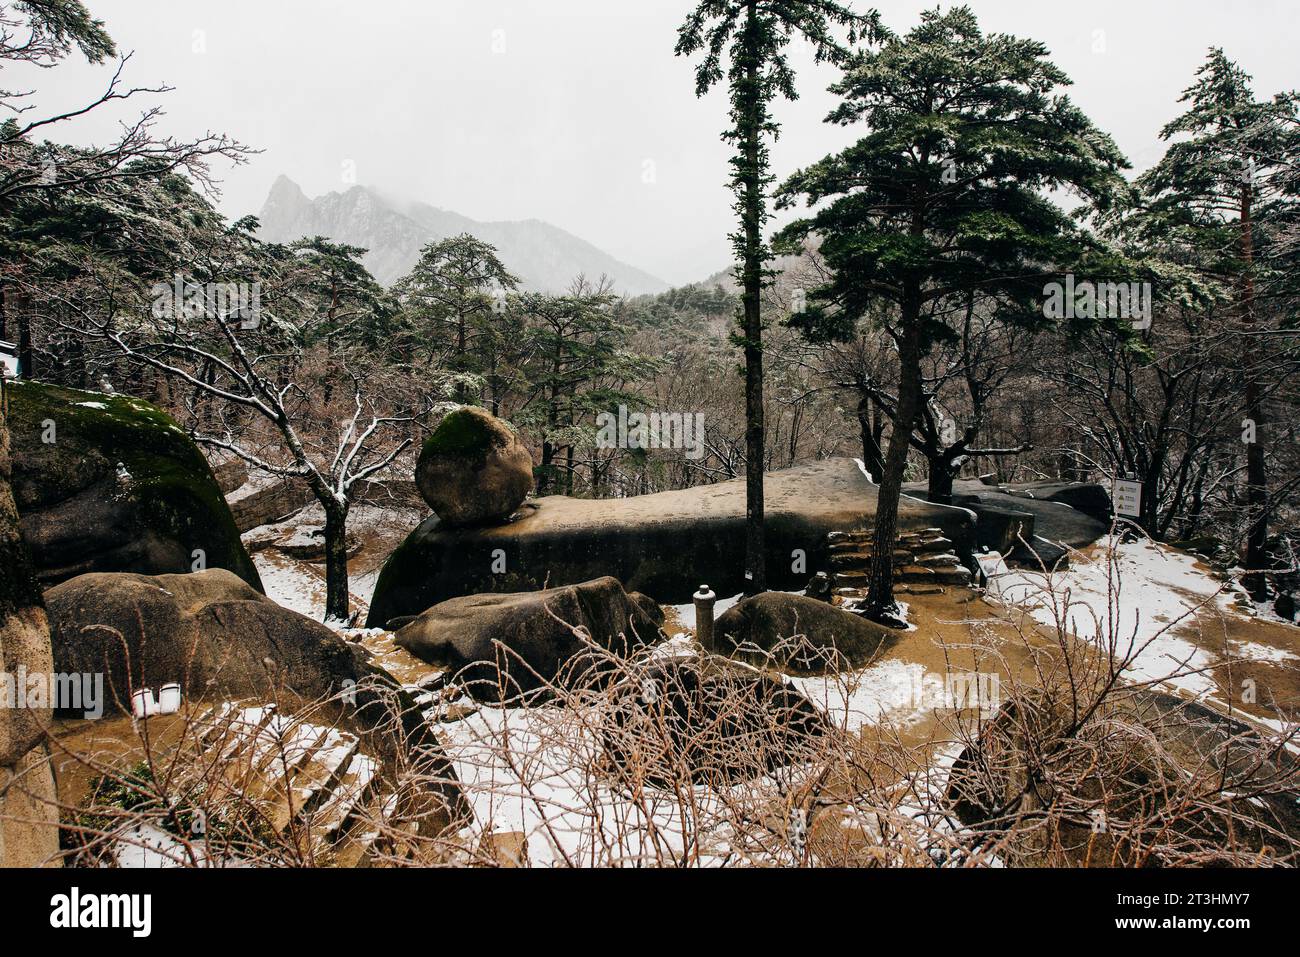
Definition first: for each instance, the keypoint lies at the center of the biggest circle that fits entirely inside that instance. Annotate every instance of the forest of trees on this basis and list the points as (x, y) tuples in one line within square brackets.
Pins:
[(906, 326)]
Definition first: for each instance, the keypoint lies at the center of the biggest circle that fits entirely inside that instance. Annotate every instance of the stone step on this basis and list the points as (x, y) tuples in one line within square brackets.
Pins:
[(316, 781), (355, 845), (953, 576), (863, 559), (929, 546), (943, 560), (915, 573), (353, 787)]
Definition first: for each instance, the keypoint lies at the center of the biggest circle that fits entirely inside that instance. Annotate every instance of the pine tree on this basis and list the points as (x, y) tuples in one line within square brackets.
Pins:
[(755, 35), (1224, 190), (460, 285), (944, 197)]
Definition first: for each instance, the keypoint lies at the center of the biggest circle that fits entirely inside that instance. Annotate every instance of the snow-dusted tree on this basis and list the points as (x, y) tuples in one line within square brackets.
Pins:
[(33, 170), (1225, 195), (946, 194), (460, 286), (254, 375)]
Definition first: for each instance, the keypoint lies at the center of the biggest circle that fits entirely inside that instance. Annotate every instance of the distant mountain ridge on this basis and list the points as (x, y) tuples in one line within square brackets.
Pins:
[(544, 257)]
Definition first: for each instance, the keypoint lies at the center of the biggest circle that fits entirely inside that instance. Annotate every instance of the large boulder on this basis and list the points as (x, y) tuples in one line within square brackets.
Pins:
[(208, 631), (1149, 779), (797, 634), (506, 645), (1054, 518), (473, 470), (694, 720), (108, 483), (664, 544), (1087, 497)]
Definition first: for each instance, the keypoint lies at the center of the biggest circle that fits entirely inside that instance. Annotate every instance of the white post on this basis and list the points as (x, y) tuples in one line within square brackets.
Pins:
[(704, 599)]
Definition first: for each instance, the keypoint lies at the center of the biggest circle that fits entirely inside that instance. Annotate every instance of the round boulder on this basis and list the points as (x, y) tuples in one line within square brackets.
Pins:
[(473, 470), (209, 631), (798, 634), (503, 646)]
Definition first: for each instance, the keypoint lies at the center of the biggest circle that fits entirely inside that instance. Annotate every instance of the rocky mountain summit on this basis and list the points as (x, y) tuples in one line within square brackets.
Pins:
[(544, 257)]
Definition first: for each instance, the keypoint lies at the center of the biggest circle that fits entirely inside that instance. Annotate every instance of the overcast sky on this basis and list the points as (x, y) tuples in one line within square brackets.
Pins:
[(576, 111)]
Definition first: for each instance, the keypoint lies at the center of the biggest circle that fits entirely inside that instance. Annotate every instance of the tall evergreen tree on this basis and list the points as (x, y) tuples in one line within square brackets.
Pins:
[(944, 197), (1226, 190), (460, 285), (755, 34)]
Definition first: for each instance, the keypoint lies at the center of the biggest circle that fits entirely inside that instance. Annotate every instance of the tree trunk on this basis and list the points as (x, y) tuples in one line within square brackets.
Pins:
[(752, 216), (26, 358), (872, 457), (337, 599), (880, 604), (941, 476), (1256, 468)]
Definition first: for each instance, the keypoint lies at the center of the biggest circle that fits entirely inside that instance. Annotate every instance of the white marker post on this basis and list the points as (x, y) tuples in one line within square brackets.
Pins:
[(704, 599)]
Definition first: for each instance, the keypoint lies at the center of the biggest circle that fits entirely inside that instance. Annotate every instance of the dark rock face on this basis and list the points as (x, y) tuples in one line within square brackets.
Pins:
[(474, 470), (1035, 523), (209, 631), (705, 720), (507, 645), (1087, 497), (798, 634), (119, 488), (665, 545)]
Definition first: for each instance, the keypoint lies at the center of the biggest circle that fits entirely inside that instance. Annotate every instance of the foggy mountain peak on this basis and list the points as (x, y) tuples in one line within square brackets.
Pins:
[(545, 257)]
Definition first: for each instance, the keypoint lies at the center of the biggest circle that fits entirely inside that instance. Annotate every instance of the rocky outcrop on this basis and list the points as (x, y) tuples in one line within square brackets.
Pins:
[(1033, 523), (797, 634), (107, 483), (1087, 497), (664, 545), (209, 632), (502, 646), (29, 814), (473, 470)]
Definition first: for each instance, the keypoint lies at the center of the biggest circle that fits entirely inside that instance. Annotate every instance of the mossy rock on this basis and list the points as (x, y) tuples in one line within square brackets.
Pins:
[(110, 483), (473, 470)]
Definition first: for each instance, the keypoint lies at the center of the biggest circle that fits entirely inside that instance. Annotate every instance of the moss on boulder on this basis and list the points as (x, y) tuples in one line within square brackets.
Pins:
[(473, 470), (110, 483)]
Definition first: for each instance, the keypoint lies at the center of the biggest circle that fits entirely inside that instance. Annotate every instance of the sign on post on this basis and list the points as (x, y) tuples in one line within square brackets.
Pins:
[(1128, 498)]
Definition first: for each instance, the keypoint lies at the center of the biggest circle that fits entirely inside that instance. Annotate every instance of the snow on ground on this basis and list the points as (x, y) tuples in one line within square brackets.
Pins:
[(300, 585), (296, 585), (896, 691), (530, 771), (1131, 598)]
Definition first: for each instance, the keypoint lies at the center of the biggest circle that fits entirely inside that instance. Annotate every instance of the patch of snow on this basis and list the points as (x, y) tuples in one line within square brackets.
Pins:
[(893, 690), (147, 846), (1129, 598), (293, 585)]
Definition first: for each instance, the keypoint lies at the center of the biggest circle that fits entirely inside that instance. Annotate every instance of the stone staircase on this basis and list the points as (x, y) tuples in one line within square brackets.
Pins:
[(285, 772), (924, 562)]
